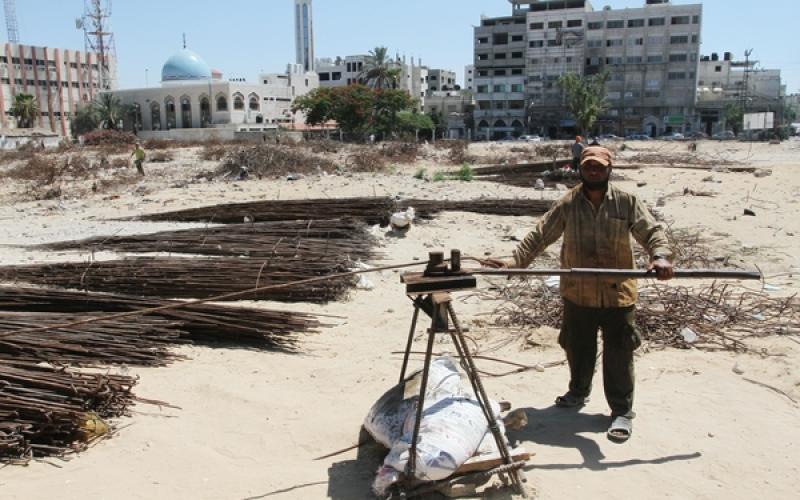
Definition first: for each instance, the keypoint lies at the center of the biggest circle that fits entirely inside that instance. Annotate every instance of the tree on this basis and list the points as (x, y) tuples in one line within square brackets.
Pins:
[(410, 122), (84, 121), (351, 107), (439, 121), (734, 117), (377, 72), (25, 109), (388, 103), (110, 110), (586, 97)]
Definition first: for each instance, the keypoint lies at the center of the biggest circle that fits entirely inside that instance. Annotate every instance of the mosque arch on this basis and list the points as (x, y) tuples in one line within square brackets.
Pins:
[(186, 112), (222, 103), (483, 124), (253, 102), (238, 102), (499, 123), (205, 111), (136, 115), (155, 116), (516, 124), (169, 108)]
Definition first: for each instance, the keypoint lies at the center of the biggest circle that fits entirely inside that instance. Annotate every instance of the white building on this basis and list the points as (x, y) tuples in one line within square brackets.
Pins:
[(343, 71), (469, 77), (192, 96), (304, 34), (440, 80), (59, 79)]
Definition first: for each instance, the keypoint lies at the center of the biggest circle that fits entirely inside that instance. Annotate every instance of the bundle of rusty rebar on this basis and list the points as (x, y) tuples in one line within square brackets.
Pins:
[(495, 206), (261, 240), (372, 210), (51, 411), (265, 328), (191, 278), (719, 316)]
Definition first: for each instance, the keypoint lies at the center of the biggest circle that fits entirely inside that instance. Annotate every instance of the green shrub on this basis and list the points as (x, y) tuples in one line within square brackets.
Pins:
[(438, 177), (464, 173), (420, 173)]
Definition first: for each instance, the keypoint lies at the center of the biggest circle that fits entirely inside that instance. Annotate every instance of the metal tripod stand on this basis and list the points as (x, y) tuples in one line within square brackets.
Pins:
[(429, 292)]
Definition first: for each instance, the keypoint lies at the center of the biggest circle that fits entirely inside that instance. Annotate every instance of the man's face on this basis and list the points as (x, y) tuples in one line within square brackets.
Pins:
[(595, 176)]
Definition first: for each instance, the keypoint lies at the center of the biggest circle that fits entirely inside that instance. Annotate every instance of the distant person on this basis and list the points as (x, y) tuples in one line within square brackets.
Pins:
[(577, 149), (138, 158)]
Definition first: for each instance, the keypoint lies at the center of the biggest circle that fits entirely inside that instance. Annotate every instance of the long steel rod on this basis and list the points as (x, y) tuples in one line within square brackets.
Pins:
[(620, 273)]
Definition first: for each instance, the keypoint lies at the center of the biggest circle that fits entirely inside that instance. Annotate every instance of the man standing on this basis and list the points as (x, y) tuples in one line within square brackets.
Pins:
[(138, 158), (577, 149), (597, 221)]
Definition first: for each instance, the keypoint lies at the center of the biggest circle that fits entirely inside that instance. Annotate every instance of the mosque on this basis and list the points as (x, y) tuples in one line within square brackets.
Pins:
[(195, 102)]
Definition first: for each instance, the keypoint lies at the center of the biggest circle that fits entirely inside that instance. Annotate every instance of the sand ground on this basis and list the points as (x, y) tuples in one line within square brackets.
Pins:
[(251, 423)]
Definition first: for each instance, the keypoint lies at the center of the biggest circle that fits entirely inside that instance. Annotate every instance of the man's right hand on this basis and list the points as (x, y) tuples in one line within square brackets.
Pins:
[(494, 263)]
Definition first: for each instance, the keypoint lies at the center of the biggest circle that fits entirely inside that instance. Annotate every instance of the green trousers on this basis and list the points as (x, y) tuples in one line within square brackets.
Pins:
[(578, 337)]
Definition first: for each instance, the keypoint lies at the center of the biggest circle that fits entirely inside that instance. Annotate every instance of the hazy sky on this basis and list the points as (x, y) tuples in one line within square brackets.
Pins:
[(245, 37)]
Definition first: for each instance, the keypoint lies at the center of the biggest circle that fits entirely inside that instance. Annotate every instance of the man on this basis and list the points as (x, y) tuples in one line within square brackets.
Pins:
[(597, 220), (138, 158), (577, 149)]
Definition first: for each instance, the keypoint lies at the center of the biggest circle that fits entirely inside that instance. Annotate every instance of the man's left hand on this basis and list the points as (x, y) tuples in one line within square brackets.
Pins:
[(663, 269)]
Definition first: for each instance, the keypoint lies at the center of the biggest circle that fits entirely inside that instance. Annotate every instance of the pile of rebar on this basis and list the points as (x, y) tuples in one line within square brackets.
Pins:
[(308, 240), (372, 210), (265, 328), (191, 278), (710, 317), (427, 209), (51, 411)]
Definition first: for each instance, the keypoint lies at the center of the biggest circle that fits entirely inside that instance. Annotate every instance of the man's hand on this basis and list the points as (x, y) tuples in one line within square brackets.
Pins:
[(494, 263), (663, 269)]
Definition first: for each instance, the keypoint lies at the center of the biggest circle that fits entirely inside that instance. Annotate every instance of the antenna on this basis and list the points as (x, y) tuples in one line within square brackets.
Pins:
[(99, 38), (745, 97), (11, 21)]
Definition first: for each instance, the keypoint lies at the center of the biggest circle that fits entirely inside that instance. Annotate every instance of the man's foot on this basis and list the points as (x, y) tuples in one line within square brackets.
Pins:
[(570, 400), (621, 429)]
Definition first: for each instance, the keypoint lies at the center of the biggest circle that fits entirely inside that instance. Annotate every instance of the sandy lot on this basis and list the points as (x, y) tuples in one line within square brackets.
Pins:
[(250, 423)]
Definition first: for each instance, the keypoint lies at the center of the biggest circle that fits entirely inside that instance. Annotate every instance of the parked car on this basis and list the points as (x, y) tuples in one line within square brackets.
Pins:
[(725, 135), (609, 137), (672, 136), (638, 137), (530, 138), (696, 135)]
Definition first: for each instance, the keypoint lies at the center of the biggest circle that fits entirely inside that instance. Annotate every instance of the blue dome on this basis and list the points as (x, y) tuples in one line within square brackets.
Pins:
[(183, 66)]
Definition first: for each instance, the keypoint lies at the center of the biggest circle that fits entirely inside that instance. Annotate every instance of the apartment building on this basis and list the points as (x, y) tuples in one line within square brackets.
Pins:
[(469, 77), (722, 82), (343, 71), (441, 80), (650, 53), (59, 79), (456, 108), (499, 80)]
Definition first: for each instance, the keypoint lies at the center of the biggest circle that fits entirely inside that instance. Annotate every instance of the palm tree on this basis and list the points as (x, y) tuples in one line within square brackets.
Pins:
[(25, 109), (378, 72), (109, 110)]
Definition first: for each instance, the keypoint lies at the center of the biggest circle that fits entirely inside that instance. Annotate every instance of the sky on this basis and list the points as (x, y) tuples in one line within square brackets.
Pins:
[(243, 38)]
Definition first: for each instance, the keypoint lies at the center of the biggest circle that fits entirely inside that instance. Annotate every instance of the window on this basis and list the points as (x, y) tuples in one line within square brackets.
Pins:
[(679, 39), (636, 41), (614, 42), (593, 61), (516, 104), (553, 43), (500, 87), (500, 55), (678, 58), (499, 72), (254, 104), (652, 93), (222, 103), (500, 38), (483, 57), (694, 38), (681, 19), (655, 59), (238, 102), (615, 24), (483, 40), (535, 44), (617, 77), (613, 60), (656, 21), (483, 72), (574, 23), (556, 60), (516, 55), (555, 24), (634, 60), (633, 94), (594, 44), (613, 94), (516, 87), (655, 40), (676, 75), (635, 23), (535, 61), (695, 19), (595, 25), (516, 38), (336, 76), (537, 26), (324, 77), (718, 69), (516, 71)]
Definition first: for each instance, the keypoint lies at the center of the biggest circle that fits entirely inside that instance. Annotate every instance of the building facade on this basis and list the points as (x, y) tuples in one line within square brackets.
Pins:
[(650, 54), (469, 77), (724, 82), (455, 107), (59, 79), (343, 71), (192, 96), (441, 80), (304, 34)]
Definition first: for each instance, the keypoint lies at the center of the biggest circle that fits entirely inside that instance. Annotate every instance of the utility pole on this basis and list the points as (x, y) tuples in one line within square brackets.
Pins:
[(744, 95), (11, 21), (99, 38)]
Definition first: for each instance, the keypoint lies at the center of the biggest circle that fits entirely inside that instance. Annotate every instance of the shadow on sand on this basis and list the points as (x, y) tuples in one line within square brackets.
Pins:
[(561, 427)]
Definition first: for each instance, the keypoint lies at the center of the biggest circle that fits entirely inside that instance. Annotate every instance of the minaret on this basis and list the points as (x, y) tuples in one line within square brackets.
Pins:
[(304, 34)]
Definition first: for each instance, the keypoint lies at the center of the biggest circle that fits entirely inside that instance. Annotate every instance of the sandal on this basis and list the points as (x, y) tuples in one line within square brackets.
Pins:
[(621, 429), (570, 400)]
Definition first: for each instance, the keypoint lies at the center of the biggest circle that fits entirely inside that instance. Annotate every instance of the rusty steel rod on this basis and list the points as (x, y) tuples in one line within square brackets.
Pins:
[(621, 273)]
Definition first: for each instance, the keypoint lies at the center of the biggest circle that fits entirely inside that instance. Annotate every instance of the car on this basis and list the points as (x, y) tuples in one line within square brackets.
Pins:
[(725, 135), (696, 135), (609, 137), (638, 137), (530, 138), (672, 136)]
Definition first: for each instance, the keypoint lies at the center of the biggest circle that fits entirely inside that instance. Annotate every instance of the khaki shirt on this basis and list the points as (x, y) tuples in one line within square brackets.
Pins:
[(596, 238)]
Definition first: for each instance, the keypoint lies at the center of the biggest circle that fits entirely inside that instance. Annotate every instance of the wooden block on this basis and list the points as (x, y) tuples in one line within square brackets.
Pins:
[(486, 462)]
